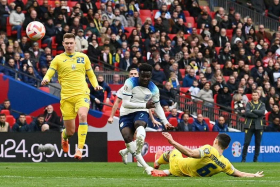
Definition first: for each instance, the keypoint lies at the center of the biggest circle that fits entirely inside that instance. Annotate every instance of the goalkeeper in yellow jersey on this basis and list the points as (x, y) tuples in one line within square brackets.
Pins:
[(71, 68), (203, 162)]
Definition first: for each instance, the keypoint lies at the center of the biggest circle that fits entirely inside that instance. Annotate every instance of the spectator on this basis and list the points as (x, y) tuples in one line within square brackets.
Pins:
[(194, 89), (189, 78), (239, 105), (29, 19), (126, 61), (269, 104), (237, 37), (81, 42), (158, 76), (52, 119), (221, 39), (10, 70), (4, 13), (179, 26), (163, 10), (35, 53), (228, 69), (24, 45), (274, 113), (199, 124), (174, 114), (94, 51), (75, 26), (37, 124), (203, 19), (175, 84), (184, 125), (21, 125), (262, 34), (220, 125), (253, 125), (244, 97), (274, 126), (224, 99), (174, 68), (274, 8), (167, 95), (31, 79), (107, 57), (50, 32), (116, 79), (16, 20), (133, 21), (206, 94), (121, 18), (98, 96), (6, 105), (87, 5), (4, 126)]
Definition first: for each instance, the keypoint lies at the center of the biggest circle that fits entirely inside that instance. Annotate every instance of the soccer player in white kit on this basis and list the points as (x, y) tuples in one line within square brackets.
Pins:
[(124, 152), (139, 95)]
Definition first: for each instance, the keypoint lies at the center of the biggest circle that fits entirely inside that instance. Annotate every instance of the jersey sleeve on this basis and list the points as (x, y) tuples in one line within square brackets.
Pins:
[(54, 64), (52, 69), (119, 93), (127, 88), (155, 96), (229, 169), (87, 63), (205, 151)]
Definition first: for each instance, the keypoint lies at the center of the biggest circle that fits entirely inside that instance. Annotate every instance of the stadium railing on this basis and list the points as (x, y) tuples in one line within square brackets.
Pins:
[(259, 16)]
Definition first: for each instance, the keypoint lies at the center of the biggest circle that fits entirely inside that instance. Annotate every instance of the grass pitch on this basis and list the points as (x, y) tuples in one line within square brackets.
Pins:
[(118, 174)]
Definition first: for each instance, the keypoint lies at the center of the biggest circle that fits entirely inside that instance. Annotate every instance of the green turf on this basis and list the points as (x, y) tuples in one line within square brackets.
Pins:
[(118, 174)]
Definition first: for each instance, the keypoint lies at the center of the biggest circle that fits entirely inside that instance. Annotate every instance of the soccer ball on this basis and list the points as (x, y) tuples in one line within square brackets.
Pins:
[(35, 30)]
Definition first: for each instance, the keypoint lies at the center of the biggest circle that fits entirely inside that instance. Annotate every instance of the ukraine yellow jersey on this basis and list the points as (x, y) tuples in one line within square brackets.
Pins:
[(210, 163), (71, 70)]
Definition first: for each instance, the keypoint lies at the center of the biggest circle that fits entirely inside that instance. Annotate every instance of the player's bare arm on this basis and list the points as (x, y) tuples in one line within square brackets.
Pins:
[(238, 173), (186, 151), (155, 122), (114, 109)]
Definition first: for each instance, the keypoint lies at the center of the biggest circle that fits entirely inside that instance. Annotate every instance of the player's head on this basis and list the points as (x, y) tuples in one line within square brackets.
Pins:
[(145, 74), (69, 42), (133, 73), (222, 140)]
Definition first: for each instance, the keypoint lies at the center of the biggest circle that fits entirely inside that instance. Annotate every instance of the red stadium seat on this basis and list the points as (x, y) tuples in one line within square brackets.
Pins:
[(184, 90), (173, 122), (226, 78), (266, 117), (6, 112), (144, 17), (190, 20), (171, 36), (215, 98), (129, 30), (251, 66), (146, 12), (45, 89), (217, 49), (183, 72), (210, 126), (221, 66), (229, 32), (28, 119), (11, 120), (166, 113), (249, 96), (207, 8), (187, 14), (190, 120), (98, 5)]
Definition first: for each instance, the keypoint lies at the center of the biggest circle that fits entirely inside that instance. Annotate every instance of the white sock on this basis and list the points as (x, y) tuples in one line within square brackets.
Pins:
[(131, 147), (125, 151), (141, 160), (167, 172), (140, 131)]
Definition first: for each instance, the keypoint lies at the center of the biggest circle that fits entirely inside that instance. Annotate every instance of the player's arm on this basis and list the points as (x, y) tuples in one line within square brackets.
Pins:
[(194, 153), (114, 109), (50, 72), (238, 173), (155, 122), (91, 75)]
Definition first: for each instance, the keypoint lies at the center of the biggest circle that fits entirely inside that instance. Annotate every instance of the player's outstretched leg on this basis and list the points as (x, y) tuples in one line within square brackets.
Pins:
[(160, 158), (82, 132), (67, 133), (124, 153)]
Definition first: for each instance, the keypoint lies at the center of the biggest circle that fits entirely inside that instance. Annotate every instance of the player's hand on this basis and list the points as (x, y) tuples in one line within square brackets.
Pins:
[(168, 126), (98, 88), (156, 123), (45, 82), (168, 137), (110, 120), (150, 104), (259, 174)]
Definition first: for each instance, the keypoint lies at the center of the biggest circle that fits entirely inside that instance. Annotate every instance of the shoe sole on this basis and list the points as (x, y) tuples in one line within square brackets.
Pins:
[(157, 155), (123, 159), (78, 157), (139, 143)]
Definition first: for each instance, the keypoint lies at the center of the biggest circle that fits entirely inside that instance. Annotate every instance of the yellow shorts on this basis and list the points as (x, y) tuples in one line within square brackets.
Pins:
[(70, 106), (174, 160)]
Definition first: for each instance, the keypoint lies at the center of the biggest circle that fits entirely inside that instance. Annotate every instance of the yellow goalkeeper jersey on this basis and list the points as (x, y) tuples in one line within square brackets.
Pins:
[(71, 70), (210, 163)]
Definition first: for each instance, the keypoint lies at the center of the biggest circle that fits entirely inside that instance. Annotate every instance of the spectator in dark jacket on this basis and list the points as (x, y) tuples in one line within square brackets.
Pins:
[(29, 19), (274, 8), (126, 61), (224, 98), (50, 32), (274, 113), (98, 96), (93, 51), (31, 79), (158, 76), (220, 125), (174, 114), (188, 80), (6, 105), (167, 95), (52, 119), (11, 72), (179, 26), (184, 125), (199, 124), (274, 126), (36, 125), (21, 125)]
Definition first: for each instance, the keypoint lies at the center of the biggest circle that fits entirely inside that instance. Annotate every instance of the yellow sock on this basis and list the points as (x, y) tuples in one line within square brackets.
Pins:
[(64, 135), (162, 159), (82, 134)]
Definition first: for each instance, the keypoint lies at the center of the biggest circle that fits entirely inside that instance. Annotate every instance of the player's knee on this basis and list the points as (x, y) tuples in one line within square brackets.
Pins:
[(82, 116), (70, 132), (127, 138), (139, 123)]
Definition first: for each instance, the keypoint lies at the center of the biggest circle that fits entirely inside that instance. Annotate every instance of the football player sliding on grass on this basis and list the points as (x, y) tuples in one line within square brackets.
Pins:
[(203, 162)]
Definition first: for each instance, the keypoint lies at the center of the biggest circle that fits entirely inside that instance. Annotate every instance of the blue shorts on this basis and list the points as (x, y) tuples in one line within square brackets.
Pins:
[(128, 120)]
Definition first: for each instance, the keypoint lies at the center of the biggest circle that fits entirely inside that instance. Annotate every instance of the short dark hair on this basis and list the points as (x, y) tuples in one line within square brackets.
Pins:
[(41, 115), (223, 140), (68, 35), (6, 100), (145, 67), (22, 114), (2, 114)]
